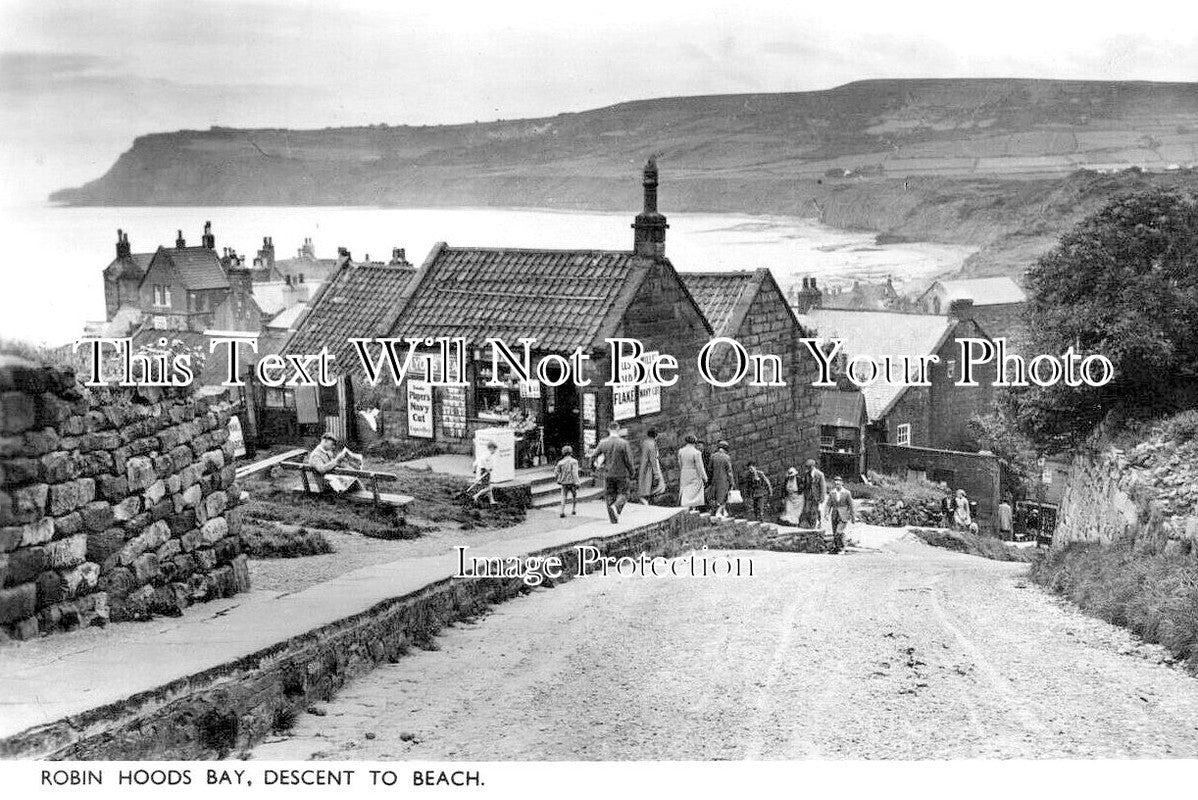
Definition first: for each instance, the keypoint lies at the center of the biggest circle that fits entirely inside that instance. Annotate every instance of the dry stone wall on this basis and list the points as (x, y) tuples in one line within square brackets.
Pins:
[(1149, 489), (115, 504)]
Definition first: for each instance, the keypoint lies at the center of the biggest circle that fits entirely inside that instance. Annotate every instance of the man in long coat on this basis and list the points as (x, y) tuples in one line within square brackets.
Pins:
[(815, 491), (722, 479), (617, 462), (650, 481)]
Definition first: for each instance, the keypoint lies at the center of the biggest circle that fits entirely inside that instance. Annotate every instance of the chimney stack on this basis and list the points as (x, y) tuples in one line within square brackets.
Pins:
[(122, 244), (179, 240), (267, 254), (809, 297), (399, 257), (649, 229), (208, 240), (961, 309)]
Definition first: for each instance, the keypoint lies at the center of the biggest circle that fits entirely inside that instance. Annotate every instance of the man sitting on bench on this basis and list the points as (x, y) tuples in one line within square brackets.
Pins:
[(323, 460)]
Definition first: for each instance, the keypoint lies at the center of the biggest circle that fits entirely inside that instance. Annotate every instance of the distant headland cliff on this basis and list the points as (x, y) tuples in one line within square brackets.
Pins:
[(1006, 165)]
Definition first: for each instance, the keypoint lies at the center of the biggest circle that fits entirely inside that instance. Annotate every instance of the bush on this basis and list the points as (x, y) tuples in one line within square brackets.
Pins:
[(1153, 594), (975, 545), (895, 502), (283, 541)]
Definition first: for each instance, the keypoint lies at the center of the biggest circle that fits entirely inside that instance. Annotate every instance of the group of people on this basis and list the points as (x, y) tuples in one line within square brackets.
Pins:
[(958, 513), (807, 499)]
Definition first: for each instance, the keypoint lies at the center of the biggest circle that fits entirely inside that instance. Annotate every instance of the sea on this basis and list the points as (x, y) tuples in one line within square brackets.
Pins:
[(52, 276)]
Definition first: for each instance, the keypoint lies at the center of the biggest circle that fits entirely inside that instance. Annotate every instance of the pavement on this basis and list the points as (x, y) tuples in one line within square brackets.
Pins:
[(45, 680)]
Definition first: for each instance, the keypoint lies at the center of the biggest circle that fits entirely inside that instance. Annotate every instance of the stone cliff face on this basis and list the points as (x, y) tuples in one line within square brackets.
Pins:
[(1146, 490)]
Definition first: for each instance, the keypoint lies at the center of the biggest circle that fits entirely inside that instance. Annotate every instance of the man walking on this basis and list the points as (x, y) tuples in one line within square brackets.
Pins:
[(815, 492), (617, 461), (841, 511)]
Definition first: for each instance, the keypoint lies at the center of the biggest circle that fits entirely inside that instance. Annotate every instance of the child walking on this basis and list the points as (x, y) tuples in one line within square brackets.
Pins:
[(566, 473)]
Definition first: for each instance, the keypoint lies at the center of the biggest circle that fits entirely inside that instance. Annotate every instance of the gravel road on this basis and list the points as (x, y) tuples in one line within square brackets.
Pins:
[(895, 650)]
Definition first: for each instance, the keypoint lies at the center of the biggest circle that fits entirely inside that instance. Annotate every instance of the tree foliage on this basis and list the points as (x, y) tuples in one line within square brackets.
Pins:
[(1123, 283)]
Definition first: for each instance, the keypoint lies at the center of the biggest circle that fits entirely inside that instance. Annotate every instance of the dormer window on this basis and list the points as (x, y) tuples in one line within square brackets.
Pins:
[(162, 295)]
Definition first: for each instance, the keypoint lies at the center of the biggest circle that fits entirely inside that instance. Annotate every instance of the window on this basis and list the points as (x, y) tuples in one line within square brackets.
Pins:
[(950, 369), (162, 295), (827, 442), (280, 398), (902, 434), (158, 295)]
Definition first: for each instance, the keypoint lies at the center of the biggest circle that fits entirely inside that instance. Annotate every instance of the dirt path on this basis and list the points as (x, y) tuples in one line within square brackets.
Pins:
[(896, 650)]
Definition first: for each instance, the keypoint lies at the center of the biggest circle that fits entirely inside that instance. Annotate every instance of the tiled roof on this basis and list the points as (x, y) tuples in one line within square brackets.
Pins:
[(563, 298), (355, 302), (198, 267), (133, 266), (840, 409), (720, 293), (984, 291), (880, 333)]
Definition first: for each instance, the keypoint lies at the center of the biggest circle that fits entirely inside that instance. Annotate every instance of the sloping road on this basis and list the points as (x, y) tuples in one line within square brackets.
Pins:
[(896, 650)]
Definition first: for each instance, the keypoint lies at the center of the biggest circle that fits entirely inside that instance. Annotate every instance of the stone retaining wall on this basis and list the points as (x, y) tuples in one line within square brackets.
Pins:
[(115, 504), (235, 705)]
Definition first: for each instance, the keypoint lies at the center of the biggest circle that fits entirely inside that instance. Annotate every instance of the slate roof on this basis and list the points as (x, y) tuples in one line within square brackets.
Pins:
[(881, 333), (840, 409), (563, 298), (198, 267), (132, 266), (982, 291), (288, 317), (356, 302)]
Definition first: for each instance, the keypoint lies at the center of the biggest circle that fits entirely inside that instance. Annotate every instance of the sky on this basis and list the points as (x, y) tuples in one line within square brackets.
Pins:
[(80, 80)]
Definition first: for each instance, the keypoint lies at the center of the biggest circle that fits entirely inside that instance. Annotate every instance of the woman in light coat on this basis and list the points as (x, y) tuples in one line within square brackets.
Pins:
[(794, 498), (650, 481), (693, 476), (962, 517)]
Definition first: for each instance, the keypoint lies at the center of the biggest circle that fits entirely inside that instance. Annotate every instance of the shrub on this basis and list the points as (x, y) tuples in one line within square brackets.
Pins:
[(283, 541)]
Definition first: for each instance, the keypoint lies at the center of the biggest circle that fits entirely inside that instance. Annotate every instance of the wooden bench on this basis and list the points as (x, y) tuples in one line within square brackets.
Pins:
[(312, 484)]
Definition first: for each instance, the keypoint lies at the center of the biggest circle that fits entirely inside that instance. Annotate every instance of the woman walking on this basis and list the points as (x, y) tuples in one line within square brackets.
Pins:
[(692, 475), (961, 515), (650, 481), (793, 509)]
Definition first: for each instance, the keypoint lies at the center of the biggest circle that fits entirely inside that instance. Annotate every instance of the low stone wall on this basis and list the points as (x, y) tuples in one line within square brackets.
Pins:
[(115, 504), (233, 706)]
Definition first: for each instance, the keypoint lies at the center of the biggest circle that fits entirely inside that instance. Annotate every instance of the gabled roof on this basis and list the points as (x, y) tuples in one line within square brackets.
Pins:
[(720, 295), (199, 268), (841, 409), (881, 333), (355, 302), (131, 266), (982, 291), (563, 298), (726, 297)]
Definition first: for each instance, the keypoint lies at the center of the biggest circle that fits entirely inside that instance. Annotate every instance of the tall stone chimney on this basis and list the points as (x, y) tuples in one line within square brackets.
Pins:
[(208, 240), (122, 244), (180, 242), (399, 257), (241, 290), (649, 229), (267, 254), (808, 297)]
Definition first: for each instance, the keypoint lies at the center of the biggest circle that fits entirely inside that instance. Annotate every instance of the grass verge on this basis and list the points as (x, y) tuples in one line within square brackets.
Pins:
[(1152, 594), (975, 545)]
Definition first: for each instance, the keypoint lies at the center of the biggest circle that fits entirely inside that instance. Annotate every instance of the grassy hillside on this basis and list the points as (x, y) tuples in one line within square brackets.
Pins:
[(988, 162)]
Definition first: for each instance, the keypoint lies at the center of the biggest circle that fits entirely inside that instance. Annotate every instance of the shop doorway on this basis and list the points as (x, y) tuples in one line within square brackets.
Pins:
[(562, 414)]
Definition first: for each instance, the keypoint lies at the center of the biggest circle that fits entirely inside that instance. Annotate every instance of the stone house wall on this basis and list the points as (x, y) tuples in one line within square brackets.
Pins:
[(115, 504), (979, 474)]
